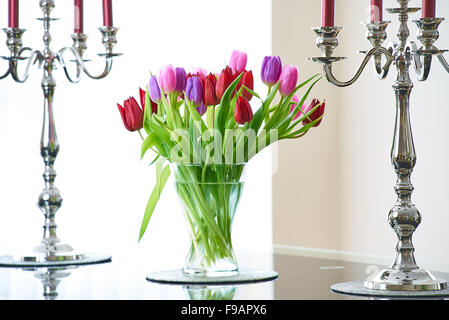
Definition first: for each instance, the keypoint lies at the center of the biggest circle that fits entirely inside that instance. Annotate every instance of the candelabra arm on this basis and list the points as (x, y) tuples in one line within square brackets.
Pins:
[(5, 75), (422, 63), (443, 62), (373, 52), (81, 65), (35, 56)]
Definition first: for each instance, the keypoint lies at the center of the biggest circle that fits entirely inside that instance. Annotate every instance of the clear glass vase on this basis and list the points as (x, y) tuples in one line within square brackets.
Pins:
[(209, 195)]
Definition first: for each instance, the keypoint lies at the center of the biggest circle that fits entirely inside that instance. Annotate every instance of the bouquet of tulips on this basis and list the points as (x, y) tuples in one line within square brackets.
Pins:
[(206, 120)]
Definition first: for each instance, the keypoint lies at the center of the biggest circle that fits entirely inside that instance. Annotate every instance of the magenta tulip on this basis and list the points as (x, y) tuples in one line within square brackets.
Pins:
[(238, 61), (289, 79), (167, 79), (181, 78)]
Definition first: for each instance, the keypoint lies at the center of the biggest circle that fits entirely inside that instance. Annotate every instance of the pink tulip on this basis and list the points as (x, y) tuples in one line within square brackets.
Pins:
[(238, 61), (295, 100), (198, 71), (289, 78), (167, 79)]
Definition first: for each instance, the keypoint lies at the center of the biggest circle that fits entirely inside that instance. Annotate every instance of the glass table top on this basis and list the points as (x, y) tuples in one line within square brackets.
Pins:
[(124, 278)]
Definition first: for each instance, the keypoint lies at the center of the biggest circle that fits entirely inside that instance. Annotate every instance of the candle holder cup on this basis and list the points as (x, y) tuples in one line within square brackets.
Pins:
[(404, 218), (51, 252)]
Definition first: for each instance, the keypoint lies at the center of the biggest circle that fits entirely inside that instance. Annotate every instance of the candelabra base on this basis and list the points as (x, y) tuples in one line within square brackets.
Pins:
[(400, 280), (358, 288), (57, 255)]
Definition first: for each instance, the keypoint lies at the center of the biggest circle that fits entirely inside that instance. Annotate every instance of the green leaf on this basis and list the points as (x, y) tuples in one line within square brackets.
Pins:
[(260, 114), (149, 142), (224, 106), (161, 178), (147, 112)]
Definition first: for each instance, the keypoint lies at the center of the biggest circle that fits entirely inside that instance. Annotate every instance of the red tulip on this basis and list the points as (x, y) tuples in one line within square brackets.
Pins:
[(142, 102), (246, 80), (224, 81), (209, 95), (316, 114), (243, 112), (132, 114)]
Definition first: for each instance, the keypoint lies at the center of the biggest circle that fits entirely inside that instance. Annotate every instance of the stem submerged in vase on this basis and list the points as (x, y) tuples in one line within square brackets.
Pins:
[(209, 207)]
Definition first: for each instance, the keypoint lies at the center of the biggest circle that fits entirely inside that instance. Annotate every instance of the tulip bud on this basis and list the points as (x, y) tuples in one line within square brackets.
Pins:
[(289, 78), (201, 109), (209, 82), (167, 79), (243, 112), (246, 80), (315, 114), (155, 91), (238, 61), (271, 70), (180, 80), (224, 81), (194, 90), (132, 114)]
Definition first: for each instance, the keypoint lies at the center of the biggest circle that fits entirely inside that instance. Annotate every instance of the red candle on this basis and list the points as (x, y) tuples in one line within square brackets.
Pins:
[(107, 13), (79, 16), (327, 13), (13, 14), (428, 8), (376, 10)]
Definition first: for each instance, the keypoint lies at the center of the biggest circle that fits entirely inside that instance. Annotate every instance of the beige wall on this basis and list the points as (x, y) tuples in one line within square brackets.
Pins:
[(334, 188), (305, 186)]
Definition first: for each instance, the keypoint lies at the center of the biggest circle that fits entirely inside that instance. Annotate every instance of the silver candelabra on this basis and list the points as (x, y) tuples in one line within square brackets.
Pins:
[(404, 218), (51, 251)]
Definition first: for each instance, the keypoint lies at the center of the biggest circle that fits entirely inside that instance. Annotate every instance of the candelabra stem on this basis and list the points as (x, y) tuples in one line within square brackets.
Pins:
[(404, 218), (51, 252), (50, 199)]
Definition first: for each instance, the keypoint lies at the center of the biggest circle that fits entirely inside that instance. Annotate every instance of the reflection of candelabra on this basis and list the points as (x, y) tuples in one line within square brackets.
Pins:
[(50, 278), (51, 251), (404, 218)]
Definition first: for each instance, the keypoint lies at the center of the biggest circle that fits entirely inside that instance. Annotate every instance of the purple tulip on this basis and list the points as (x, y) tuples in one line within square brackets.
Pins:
[(201, 109), (271, 70), (289, 78), (238, 61), (155, 91), (194, 90), (181, 78), (167, 79)]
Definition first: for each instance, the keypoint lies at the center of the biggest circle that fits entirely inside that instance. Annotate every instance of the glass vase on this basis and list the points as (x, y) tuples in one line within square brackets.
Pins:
[(209, 195)]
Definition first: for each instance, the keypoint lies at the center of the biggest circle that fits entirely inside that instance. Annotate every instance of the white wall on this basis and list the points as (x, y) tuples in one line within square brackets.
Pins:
[(358, 131), (104, 185)]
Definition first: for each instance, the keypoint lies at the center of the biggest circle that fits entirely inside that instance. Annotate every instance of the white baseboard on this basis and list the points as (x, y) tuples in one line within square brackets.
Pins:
[(349, 256)]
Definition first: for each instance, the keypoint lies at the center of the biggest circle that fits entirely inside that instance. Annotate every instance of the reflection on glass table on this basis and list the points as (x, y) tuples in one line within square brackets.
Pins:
[(300, 278)]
